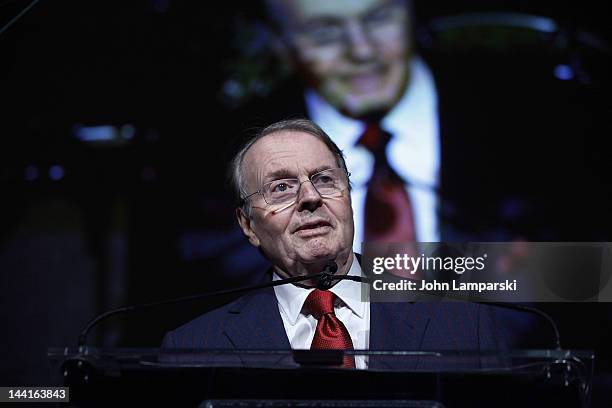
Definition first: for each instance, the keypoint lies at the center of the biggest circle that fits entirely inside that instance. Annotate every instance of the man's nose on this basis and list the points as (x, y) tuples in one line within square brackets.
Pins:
[(309, 198), (359, 43)]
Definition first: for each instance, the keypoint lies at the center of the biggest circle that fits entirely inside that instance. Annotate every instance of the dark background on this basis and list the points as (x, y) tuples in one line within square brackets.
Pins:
[(85, 227)]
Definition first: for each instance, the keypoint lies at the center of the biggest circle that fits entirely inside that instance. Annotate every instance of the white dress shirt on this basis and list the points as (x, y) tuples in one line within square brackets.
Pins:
[(348, 307), (413, 152)]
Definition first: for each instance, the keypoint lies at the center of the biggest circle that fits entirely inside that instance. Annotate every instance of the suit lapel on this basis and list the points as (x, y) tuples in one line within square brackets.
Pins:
[(256, 324)]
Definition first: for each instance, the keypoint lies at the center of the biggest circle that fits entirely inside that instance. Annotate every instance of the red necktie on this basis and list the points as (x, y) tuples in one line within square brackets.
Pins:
[(331, 333), (388, 211)]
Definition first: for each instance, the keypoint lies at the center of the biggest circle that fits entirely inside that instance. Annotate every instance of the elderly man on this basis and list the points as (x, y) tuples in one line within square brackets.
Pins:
[(295, 207)]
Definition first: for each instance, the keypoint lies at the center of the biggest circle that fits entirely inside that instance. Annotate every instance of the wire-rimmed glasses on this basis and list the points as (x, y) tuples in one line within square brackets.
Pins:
[(328, 183)]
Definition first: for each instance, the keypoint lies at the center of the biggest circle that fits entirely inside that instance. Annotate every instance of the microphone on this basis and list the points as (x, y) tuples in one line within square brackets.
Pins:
[(324, 281)]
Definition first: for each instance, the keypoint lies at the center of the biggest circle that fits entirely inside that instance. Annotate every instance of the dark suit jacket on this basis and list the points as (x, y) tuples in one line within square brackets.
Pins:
[(254, 323)]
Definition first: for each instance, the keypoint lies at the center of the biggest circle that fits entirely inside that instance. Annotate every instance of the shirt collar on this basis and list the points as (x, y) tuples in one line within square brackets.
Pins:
[(291, 298), (418, 101), (413, 121), (345, 130)]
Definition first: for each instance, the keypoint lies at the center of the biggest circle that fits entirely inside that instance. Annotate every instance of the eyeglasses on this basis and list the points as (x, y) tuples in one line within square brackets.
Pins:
[(328, 183), (334, 32)]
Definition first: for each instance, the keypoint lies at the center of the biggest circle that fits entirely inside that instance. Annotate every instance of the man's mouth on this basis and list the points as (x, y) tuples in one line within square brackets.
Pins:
[(366, 80), (312, 227)]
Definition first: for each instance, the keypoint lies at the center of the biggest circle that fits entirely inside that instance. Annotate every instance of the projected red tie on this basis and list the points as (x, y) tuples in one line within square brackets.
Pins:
[(388, 210), (330, 334)]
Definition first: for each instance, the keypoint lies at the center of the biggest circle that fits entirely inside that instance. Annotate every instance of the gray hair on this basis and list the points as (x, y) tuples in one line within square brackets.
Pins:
[(296, 125)]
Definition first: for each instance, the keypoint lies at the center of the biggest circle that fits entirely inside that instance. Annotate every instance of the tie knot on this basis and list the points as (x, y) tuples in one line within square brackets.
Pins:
[(374, 138), (320, 302)]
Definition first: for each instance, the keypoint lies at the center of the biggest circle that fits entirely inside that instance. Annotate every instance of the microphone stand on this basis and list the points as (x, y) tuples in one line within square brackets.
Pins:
[(324, 281)]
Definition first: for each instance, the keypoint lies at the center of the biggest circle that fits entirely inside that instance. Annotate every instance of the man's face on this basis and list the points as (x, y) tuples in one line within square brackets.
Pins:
[(355, 53), (314, 229)]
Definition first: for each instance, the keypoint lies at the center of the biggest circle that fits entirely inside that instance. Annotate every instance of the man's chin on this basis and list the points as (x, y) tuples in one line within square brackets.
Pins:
[(318, 255)]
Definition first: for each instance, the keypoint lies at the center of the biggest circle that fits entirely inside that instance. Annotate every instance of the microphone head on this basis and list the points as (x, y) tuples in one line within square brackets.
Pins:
[(325, 280)]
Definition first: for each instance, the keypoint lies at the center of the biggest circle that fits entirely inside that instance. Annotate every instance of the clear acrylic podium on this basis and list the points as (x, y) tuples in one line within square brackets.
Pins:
[(265, 378)]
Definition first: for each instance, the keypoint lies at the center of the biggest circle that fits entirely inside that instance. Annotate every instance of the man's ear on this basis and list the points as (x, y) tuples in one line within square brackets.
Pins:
[(245, 223)]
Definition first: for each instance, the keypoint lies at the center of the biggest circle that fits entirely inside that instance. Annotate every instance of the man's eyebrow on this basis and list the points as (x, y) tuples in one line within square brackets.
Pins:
[(279, 174), (319, 169), (284, 173)]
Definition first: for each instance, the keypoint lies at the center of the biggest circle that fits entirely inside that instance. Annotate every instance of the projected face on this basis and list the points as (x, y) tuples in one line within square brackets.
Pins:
[(355, 53), (312, 229)]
